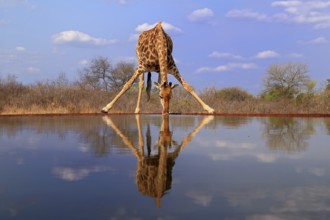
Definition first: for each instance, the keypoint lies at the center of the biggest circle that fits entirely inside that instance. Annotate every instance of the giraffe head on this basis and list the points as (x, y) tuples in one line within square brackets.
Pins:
[(165, 94)]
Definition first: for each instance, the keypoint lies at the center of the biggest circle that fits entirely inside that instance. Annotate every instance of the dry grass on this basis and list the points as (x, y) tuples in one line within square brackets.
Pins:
[(64, 97)]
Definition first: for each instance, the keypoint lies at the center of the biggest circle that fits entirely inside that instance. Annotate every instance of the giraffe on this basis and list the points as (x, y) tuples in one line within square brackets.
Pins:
[(154, 54)]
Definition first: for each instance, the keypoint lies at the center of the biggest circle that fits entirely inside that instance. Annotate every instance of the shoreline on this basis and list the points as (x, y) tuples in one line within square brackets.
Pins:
[(303, 115)]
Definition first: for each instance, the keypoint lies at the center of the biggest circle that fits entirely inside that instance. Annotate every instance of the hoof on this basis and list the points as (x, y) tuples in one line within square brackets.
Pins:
[(103, 111), (211, 111)]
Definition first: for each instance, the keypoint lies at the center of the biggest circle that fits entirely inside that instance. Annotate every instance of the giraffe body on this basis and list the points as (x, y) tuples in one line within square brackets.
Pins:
[(154, 54)]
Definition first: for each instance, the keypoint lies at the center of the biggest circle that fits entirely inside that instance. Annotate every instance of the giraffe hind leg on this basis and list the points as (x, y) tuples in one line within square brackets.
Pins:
[(141, 84)]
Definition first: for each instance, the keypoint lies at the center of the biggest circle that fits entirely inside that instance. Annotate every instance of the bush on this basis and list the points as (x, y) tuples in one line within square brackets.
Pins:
[(10, 91), (62, 96), (234, 94)]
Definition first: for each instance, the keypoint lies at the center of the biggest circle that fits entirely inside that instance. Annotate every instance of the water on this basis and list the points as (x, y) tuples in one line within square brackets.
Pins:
[(154, 167)]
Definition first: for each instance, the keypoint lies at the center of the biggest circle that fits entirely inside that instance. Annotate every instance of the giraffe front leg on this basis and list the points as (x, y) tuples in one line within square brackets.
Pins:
[(200, 101), (141, 84), (177, 75), (123, 90)]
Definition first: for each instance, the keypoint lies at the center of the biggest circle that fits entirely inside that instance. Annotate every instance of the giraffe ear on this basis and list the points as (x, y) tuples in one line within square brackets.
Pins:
[(172, 86), (175, 85)]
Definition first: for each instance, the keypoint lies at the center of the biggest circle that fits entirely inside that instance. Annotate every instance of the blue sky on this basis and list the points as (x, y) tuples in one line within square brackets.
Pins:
[(216, 43)]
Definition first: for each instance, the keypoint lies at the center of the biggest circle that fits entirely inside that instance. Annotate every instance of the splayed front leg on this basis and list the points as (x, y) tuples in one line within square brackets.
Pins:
[(186, 86), (123, 90), (209, 109)]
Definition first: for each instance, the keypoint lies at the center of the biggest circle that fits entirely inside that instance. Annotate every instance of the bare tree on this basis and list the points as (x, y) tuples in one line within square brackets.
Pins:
[(286, 80), (97, 74), (120, 75), (100, 74)]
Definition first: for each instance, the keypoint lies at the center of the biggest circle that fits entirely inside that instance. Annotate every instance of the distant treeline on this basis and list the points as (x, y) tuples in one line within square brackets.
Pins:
[(287, 89)]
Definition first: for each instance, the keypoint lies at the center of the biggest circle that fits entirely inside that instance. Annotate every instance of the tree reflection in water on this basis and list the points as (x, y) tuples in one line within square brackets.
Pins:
[(327, 124), (154, 171), (288, 134)]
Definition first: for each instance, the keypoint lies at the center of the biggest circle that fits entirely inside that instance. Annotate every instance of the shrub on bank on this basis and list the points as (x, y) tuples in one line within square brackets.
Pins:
[(61, 96)]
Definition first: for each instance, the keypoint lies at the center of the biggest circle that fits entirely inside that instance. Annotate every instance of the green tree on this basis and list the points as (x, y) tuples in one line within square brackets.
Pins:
[(286, 80), (327, 88)]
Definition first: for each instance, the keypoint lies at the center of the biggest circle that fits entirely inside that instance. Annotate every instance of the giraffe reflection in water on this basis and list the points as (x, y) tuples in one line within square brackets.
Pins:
[(154, 171)]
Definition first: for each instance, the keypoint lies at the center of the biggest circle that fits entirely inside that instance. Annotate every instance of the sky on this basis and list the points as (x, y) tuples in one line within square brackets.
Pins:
[(216, 43)]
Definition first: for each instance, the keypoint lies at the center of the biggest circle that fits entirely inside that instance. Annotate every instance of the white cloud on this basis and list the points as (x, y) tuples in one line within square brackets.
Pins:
[(200, 198), (67, 37), (318, 171), (204, 69), (222, 68), (296, 55), (17, 3), (227, 67), (261, 55), (20, 49), (171, 28), (301, 6), (266, 158), (267, 54), (293, 11), (303, 199), (83, 62), (247, 13), (318, 40), (242, 65), (201, 15), (304, 12), (166, 26), (286, 3), (146, 26), (32, 69), (234, 145), (72, 174), (122, 2), (12, 2), (134, 37), (216, 54)]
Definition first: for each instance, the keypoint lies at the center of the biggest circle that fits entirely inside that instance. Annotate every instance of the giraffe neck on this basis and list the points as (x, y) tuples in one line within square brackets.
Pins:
[(163, 78), (161, 45)]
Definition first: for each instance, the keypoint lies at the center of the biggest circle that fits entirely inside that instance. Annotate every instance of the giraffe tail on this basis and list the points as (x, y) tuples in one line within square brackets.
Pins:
[(148, 85)]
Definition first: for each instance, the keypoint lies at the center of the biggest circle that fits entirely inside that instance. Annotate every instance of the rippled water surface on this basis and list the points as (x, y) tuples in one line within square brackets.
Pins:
[(154, 167)]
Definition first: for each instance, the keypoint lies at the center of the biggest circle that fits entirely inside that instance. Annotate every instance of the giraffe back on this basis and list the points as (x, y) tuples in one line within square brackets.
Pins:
[(152, 45)]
